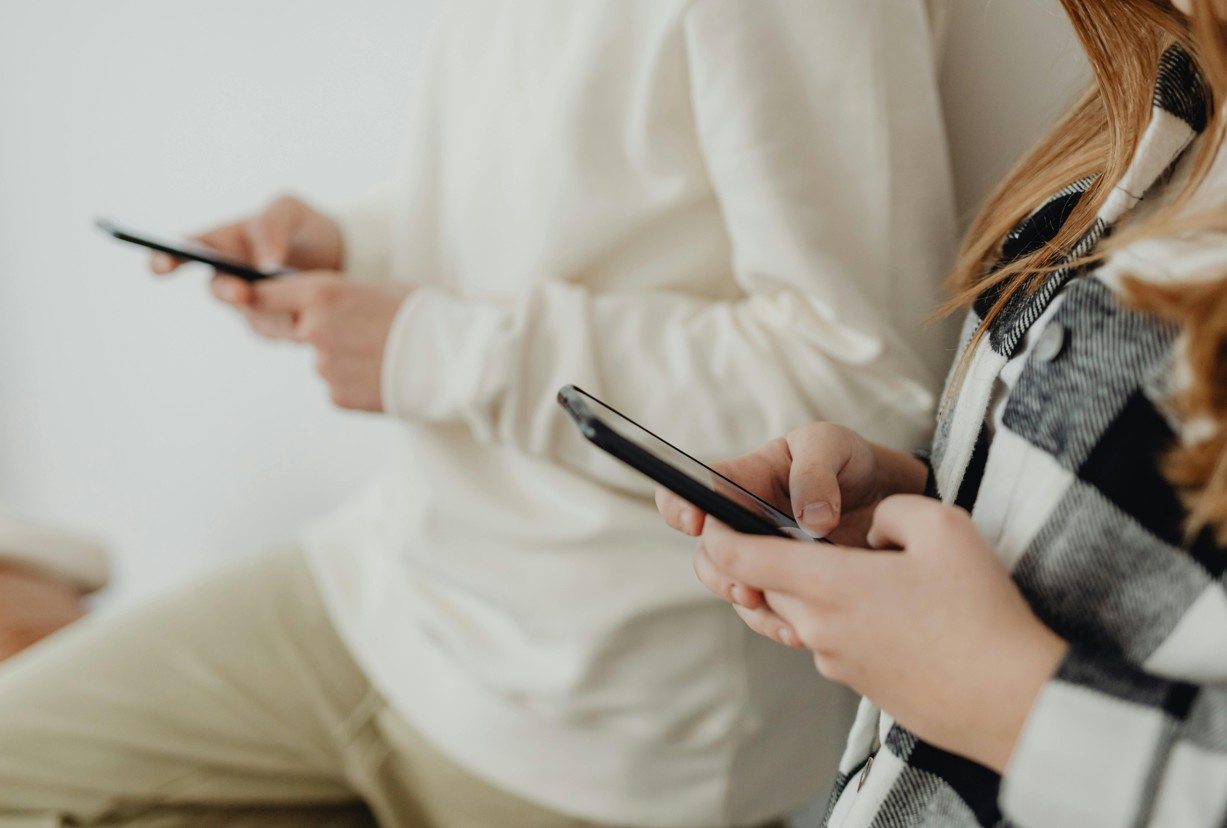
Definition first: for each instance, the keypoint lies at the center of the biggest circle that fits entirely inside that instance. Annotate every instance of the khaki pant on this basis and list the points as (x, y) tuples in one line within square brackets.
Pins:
[(231, 703)]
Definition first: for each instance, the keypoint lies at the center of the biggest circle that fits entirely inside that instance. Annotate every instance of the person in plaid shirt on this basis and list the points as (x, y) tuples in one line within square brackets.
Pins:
[(1035, 611)]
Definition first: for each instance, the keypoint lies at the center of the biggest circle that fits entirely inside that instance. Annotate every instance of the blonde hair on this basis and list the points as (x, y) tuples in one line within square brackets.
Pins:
[(1124, 41)]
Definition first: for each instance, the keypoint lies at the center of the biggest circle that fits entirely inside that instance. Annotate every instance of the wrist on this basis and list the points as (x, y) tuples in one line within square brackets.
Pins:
[(1011, 682), (900, 473)]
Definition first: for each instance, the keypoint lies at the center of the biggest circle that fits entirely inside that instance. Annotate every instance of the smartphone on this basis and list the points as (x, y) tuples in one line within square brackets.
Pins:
[(190, 251), (713, 493)]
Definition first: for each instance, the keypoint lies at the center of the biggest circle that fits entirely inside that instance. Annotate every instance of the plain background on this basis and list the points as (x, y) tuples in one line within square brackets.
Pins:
[(143, 412)]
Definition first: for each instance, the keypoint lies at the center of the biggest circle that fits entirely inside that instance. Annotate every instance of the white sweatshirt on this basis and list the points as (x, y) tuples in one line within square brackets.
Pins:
[(726, 218)]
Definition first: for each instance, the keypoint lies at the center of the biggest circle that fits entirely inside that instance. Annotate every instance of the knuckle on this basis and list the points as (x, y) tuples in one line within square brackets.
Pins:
[(283, 202), (668, 509), (310, 332), (704, 568), (818, 431), (811, 633), (832, 667), (340, 397), (759, 623), (815, 588), (724, 555), (810, 430), (946, 518), (724, 587), (328, 294), (315, 333), (697, 564), (262, 325)]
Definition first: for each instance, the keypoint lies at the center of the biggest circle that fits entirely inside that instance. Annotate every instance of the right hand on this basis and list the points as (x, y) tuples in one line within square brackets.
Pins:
[(287, 233), (827, 476)]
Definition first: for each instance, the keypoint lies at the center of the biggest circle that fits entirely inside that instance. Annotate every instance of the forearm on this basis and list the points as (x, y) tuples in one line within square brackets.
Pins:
[(706, 373)]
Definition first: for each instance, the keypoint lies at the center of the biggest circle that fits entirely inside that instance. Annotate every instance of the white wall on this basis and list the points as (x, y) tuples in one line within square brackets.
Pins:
[(1012, 66), (143, 411)]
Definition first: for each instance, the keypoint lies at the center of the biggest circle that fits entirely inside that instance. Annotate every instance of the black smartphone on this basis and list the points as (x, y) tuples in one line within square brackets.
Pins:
[(190, 251), (713, 493)]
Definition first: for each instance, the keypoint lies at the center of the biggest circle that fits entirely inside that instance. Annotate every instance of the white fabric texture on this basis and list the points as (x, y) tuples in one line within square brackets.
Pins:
[(76, 559), (727, 219)]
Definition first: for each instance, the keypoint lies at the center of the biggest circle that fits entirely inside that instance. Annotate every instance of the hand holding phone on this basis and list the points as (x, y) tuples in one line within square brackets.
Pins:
[(286, 236), (177, 251), (827, 475), (711, 492)]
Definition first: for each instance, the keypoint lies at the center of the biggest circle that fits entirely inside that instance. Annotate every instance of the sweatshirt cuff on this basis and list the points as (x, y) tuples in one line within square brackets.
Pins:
[(448, 359), (365, 239), (81, 562), (930, 489), (1090, 744)]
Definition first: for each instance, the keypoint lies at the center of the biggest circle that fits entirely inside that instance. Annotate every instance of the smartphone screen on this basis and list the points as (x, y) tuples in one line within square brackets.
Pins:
[(589, 411)]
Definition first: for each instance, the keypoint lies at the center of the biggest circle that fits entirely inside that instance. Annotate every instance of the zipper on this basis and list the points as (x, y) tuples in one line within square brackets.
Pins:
[(873, 753)]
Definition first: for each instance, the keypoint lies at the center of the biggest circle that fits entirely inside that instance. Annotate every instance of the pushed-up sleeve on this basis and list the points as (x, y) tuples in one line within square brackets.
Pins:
[(820, 130)]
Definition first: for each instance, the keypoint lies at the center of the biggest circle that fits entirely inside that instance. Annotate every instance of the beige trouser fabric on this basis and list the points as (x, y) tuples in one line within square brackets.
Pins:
[(230, 703)]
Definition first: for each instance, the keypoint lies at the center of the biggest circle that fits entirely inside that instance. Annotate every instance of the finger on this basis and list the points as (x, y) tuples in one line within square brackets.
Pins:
[(709, 576), (230, 240), (769, 625), (773, 564), (897, 519), (163, 263), (269, 234), (273, 326), (290, 295), (678, 513), (763, 472), (820, 452), (233, 290), (735, 593)]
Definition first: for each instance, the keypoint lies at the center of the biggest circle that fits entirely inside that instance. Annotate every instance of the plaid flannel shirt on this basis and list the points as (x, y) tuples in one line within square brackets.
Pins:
[(1066, 484)]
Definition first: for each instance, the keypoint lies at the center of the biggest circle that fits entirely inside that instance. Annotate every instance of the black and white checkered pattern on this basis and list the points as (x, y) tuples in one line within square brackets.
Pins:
[(1067, 486)]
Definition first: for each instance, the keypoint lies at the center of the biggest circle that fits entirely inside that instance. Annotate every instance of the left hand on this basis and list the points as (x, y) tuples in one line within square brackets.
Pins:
[(346, 323), (934, 632), (32, 607)]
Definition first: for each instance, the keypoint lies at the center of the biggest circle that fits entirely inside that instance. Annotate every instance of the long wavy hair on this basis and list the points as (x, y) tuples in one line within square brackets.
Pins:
[(1124, 40)]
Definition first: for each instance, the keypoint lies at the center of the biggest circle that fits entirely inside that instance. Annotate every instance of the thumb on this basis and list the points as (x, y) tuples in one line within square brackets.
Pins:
[(819, 454), (269, 236)]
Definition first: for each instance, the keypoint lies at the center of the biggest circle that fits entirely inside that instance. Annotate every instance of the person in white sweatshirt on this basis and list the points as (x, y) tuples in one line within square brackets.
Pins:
[(725, 217)]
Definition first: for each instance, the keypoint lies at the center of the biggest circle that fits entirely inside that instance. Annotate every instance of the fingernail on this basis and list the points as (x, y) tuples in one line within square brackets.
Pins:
[(161, 261), (738, 595), (816, 515), (228, 291), (788, 638), (268, 264)]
